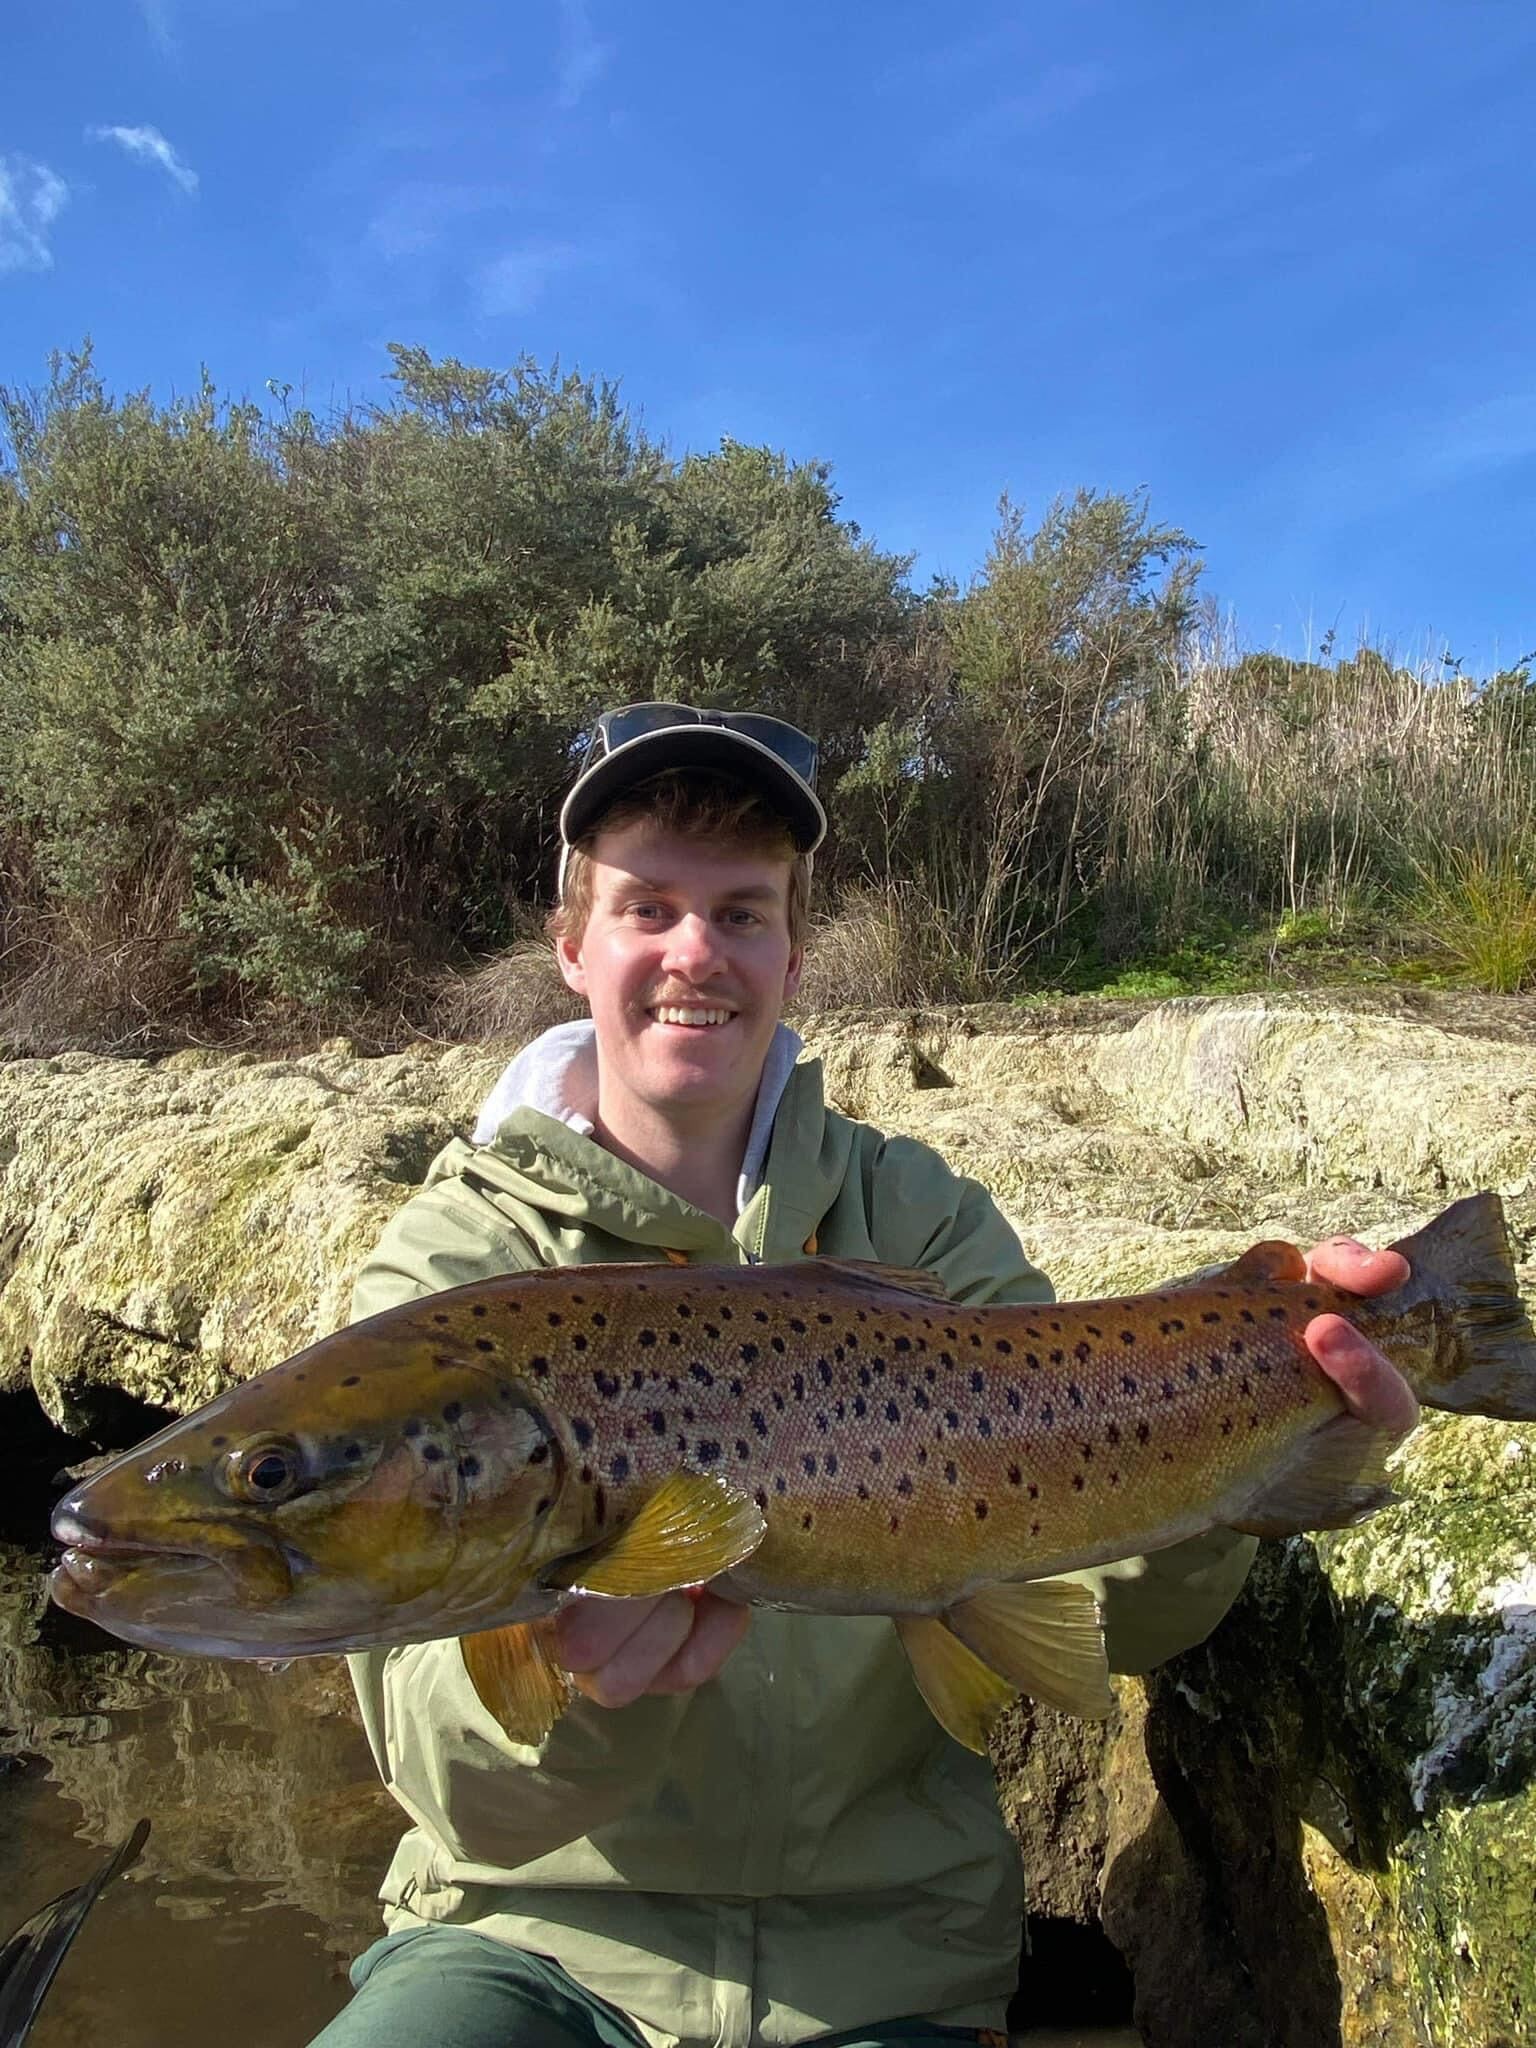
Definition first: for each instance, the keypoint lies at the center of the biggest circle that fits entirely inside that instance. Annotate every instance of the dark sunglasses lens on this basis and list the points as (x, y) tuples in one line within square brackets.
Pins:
[(794, 748), (634, 721), (797, 750)]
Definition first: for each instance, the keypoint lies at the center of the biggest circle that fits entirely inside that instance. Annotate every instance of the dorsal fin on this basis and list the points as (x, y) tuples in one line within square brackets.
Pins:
[(1273, 1261), (907, 1278)]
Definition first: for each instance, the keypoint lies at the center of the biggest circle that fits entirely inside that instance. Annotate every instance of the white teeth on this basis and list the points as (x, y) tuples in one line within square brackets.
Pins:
[(672, 1013)]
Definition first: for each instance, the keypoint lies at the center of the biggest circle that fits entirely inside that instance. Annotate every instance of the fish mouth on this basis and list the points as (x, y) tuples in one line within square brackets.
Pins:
[(97, 1568)]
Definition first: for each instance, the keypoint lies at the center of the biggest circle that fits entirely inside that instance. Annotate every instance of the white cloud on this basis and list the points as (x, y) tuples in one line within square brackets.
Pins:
[(31, 200), (151, 147), (584, 57), (516, 282), (157, 19)]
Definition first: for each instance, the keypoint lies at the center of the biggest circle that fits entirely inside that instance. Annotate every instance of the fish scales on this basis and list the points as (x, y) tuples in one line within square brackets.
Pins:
[(825, 1436), (1006, 1438)]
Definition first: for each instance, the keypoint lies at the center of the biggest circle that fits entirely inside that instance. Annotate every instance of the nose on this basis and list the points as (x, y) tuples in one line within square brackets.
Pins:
[(693, 948)]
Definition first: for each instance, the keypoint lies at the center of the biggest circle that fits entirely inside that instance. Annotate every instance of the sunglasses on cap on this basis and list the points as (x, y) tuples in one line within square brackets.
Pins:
[(615, 729)]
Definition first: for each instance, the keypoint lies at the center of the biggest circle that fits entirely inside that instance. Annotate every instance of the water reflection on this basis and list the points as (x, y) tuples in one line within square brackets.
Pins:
[(270, 1829)]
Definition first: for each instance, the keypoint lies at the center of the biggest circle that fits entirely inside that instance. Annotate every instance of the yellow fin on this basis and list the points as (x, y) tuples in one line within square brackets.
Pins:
[(1272, 1260), (1045, 1637), (907, 1278), (966, 1698), (1334, 1477), (690, 1529), (519, 1680)]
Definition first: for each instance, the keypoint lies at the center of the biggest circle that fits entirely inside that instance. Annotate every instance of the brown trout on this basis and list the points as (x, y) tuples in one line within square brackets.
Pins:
[(824, 1436)]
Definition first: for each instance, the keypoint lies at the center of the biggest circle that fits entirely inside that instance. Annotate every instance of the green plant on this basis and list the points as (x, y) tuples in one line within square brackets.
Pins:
[(1479, 906)]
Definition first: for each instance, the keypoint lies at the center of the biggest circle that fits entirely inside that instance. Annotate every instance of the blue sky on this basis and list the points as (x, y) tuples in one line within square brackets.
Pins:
[(1273, 260)]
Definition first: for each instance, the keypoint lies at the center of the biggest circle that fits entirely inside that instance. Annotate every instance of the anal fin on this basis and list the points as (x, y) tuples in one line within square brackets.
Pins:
[(692, 1528), (1336, 1476), (1044, 1636), (520, 1682)]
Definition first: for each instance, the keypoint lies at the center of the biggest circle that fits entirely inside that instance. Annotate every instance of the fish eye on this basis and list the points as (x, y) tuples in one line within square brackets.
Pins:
[(266, 1472)]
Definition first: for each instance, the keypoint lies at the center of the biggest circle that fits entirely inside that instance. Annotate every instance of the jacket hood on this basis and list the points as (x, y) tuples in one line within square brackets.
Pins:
[(534, 1143)]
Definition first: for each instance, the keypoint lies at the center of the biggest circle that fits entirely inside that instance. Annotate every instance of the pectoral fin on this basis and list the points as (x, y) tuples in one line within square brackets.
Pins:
[(1045, 1636), (1271, 1261), (519, 1680), (691, 1529), (1334, 1477), (965, 1696)]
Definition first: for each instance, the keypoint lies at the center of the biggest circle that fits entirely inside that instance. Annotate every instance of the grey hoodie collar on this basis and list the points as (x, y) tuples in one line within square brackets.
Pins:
[(557, 1074)]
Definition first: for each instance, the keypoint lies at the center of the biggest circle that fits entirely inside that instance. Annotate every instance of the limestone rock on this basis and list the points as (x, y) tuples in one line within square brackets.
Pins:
[(1320, 1827)]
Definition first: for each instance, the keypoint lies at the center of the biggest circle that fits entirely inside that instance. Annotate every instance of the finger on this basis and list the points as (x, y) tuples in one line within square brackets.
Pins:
[(718, 1627), (630, 1671), (1343, 1262), (1372, 1388), (590, 1631)]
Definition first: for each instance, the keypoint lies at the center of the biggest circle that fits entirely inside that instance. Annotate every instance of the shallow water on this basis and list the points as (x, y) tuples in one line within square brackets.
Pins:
[(270, 1832)]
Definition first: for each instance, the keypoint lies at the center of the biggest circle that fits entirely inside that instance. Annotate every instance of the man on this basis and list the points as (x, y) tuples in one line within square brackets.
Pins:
[(751, 1829)]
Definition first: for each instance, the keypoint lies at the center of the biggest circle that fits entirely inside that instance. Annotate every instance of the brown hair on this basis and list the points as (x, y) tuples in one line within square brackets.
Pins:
[(695, 805)]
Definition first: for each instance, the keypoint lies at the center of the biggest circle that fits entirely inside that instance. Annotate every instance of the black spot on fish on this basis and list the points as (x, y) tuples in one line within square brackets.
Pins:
[(352, 1453), (1112, 1434), (951, 1418), (797, 1326), (977, 1383), (901, 1344), (821, 1420), (1048, 1415), (1087, 1451), (1058, 1358), (1015, 1476), (1236, 1347), (921, 1401), (1074, 1394), (484, 1344), (759, 1315), (555, 1319), (658, 1422), (469, 1467), (599, 1320), (645, 1339), (452, 1411), (673, 1338), (712, 1332), (1142, 1432), (1034, 1494), (413, 1427), (431, 1454), (599, 1505), (983, 1426), (892, 1412), (1218, 1365), (542, 1505), (578, 1342), (761, 1498), (539, 1367), (353, 1379), (687, 1415), (1277, 1315), (1082, 1352), (777, 1399), (702, 1374), (441, 1322), (683, 1310), (779, 1483), (823, 1317), (946, 1361), (860, 1405), (478, 1309), (981, 1511), (1248, 1315), (1192, 1372), (706, 1450), (618, 1466), (539, 1454), (581, 1429), (950, 1472), (798, 1384), (806, 1519), (1129, 1336), (1078, 1482), (810, 1466), (876, 1455), (1127, 1384), (217, 1443), (1211, 1315), (831, 1464), (1176, 1326), (759, 1422)]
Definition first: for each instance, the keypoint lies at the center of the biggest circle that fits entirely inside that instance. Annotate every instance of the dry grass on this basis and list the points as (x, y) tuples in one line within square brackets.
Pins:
[(887, 944), (513, 997)]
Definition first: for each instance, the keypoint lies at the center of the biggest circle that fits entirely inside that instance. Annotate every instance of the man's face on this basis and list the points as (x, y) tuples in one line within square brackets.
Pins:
[(686, 963)]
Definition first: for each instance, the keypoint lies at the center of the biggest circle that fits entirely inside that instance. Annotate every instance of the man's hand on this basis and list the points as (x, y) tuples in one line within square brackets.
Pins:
[(616, 1650), (1372, 1389)]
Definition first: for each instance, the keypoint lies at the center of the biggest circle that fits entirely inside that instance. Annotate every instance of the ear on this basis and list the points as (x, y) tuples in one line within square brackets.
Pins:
[(572, 970), (793, 971)]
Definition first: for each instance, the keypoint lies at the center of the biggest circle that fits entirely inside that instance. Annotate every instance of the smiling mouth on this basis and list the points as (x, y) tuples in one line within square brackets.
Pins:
[(695, 1015)]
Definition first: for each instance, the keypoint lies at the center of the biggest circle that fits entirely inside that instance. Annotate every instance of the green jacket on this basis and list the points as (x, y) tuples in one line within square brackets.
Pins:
[(797, 1847)]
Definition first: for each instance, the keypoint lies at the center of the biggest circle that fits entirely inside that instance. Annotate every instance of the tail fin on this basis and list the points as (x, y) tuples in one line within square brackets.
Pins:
[(1486, 1353)]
